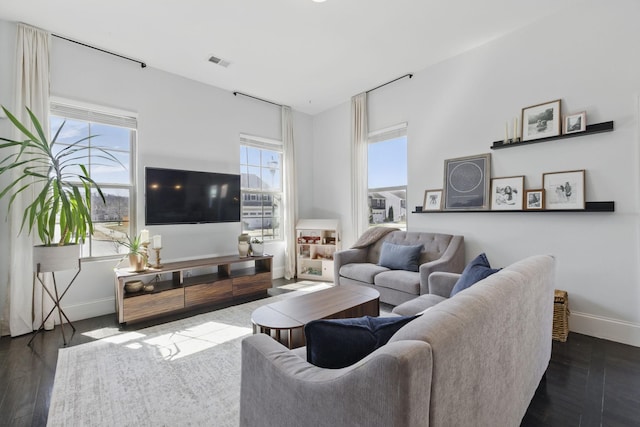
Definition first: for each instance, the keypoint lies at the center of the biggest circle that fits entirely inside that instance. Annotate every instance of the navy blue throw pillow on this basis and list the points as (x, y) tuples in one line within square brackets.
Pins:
[(475, 271), (400, 257), (337, 343)]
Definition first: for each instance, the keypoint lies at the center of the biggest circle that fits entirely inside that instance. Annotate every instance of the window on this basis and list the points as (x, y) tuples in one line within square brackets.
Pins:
[(387, 177), (261, 184), (116, 134)]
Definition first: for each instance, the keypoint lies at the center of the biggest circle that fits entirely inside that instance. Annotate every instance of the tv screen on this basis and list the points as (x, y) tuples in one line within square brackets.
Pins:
[(188, 197)]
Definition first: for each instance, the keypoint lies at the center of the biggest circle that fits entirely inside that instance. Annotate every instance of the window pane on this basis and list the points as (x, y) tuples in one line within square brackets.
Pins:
[(72, 131), (105, 170), (261, 174), (387, 175), (110, 221), (388, 163), (111, 137)]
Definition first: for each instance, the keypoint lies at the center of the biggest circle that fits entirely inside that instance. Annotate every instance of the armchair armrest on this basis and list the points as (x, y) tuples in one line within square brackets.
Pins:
[(347, 256), (442, 282), (390, 387), (452, 260)]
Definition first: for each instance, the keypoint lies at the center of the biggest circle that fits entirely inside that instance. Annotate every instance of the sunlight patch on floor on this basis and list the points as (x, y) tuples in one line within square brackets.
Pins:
[(176, 345)]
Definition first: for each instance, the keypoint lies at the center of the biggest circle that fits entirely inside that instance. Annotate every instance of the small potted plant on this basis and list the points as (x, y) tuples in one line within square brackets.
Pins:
[(257, 247), (137, 253)]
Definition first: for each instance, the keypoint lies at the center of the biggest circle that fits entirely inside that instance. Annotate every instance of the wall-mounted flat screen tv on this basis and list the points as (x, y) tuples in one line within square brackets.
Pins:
[(188, 197)]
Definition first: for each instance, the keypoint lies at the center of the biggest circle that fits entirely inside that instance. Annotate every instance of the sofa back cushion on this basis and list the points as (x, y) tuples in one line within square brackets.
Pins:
[(434, 244)]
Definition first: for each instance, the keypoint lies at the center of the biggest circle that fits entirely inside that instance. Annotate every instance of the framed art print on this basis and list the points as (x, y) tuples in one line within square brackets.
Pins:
[(432, 200), (541, 121), (466, 182), (564, 190), (575, 122), (507, 193), (534, 199)]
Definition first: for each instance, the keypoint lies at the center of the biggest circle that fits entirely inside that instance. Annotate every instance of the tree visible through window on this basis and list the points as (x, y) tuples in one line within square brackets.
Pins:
[(261, 182), (387, 178), (117, 135)]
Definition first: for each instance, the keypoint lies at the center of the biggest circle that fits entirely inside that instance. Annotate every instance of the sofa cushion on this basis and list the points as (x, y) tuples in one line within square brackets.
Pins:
[(400, 257), (418, 305), (338, 343), (363, 272), (399, 280), (475, 271)]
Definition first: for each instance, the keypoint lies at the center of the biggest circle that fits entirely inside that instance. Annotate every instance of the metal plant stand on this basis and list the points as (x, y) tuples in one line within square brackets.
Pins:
[(56, 297)]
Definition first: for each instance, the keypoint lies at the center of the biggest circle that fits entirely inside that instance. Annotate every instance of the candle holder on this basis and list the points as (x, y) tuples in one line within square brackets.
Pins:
[(145, 254), (158, 265)]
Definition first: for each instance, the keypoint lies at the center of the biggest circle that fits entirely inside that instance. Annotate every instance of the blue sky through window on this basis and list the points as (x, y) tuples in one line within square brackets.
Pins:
[(388, 163)]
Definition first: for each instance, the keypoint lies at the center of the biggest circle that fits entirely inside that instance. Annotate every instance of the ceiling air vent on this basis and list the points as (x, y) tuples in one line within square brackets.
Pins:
[(219, 61)]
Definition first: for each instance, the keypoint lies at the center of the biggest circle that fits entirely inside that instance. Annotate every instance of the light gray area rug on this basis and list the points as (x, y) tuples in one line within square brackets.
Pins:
[(183, 373)]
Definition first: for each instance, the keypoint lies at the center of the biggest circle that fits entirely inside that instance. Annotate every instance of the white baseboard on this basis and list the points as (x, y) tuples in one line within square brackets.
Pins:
[(606, 328), (89, 309)]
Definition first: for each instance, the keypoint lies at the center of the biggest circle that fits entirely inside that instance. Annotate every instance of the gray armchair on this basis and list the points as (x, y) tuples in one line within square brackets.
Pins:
[(441, 252)]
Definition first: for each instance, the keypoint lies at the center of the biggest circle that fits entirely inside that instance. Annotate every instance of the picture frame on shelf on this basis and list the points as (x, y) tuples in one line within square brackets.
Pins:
[(466, 182), (534, 199), (564, 190), (432, 200), (507, 193), (574, 123), (541, 120)]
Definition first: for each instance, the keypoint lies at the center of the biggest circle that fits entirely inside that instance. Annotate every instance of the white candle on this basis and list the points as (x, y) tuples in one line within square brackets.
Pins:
[(506, 131), (144, 236), (157, 242), (515, 128)]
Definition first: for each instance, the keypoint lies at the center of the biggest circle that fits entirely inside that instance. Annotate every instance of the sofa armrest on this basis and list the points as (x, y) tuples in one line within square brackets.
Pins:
[(347, 256), (390, 387), (442, 282), (452, 260)]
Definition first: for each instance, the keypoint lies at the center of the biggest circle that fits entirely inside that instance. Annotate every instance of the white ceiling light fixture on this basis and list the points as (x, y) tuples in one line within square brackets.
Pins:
[(319, 1)]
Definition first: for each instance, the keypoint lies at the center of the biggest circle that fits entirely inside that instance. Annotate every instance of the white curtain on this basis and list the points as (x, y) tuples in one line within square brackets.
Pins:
[(290, 194), (359, 193), (32, 90)]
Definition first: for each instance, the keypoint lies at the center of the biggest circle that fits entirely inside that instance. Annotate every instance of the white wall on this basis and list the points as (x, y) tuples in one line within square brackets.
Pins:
[(181, 124), (457, 108)]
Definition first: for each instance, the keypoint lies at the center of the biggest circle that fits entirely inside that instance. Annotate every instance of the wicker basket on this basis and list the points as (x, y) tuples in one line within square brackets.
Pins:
[(560, 316)]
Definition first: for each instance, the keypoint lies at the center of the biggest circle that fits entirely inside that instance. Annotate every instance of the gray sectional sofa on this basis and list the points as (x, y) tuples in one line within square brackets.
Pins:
[(474, 359), (360, 266)]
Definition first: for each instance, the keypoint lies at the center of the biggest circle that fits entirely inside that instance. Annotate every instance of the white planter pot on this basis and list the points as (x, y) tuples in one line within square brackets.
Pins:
[(56, 258), (257, 249)]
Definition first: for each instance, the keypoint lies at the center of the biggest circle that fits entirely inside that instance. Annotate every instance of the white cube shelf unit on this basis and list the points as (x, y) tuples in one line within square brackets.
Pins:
[(316, 242)]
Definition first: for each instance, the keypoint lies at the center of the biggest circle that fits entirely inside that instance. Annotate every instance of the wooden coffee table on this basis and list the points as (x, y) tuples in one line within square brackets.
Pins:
[(290, 315)]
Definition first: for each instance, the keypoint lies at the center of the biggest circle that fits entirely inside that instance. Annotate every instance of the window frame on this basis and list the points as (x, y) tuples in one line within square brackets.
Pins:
[(381, 135), (261, 144), (95, 114)]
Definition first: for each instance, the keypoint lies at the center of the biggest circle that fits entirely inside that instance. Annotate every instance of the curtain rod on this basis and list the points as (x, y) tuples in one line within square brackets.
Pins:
[(142, 64), (389, 82), (255, 97)]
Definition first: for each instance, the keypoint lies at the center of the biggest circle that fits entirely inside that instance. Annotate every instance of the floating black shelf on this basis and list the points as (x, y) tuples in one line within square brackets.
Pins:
[(589, 207), (591, 129)]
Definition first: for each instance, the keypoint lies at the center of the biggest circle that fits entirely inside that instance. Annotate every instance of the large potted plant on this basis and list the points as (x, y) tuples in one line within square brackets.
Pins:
[(60, 212)]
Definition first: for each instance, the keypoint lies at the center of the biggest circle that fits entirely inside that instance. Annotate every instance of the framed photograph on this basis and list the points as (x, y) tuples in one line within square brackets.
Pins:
[(575, 122), (432, 200), (507, 194), (534, 199), (541, 121), (466, 182), (564, 190)]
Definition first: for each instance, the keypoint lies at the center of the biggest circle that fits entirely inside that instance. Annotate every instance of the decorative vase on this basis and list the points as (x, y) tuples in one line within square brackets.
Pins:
[(243, 248)]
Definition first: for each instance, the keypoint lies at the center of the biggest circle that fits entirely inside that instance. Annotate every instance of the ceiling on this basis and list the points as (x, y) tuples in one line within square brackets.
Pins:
[(311, 56)]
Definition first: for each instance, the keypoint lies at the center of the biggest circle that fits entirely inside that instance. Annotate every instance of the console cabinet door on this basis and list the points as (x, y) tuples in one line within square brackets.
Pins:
[(142, 306)]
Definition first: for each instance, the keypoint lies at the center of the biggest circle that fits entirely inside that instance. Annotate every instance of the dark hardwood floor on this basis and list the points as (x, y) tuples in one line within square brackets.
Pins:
[(589, 382)]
